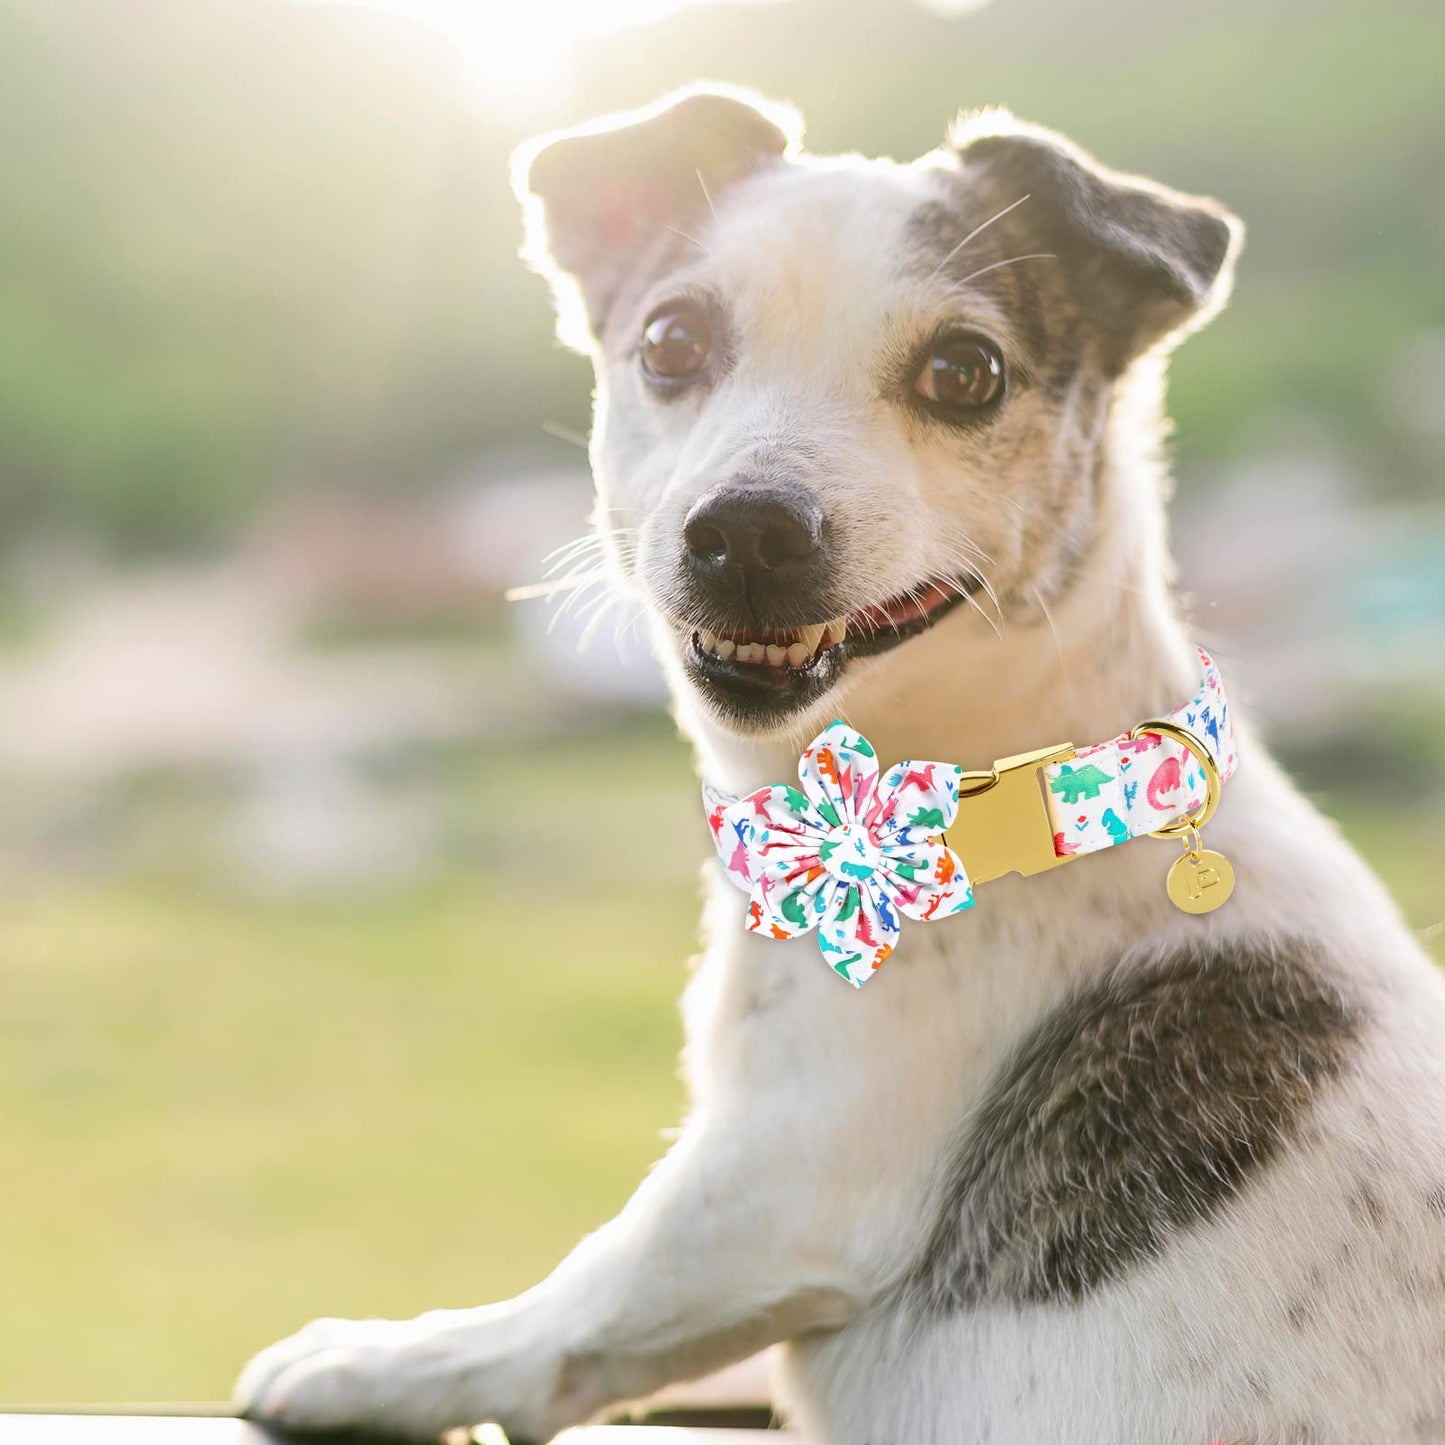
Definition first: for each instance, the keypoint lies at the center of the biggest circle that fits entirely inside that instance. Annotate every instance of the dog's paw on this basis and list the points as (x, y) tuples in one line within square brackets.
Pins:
[(359, 1375)]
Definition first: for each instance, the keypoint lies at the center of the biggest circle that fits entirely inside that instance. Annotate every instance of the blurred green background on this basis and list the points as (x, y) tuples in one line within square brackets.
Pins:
[(291, 1020)]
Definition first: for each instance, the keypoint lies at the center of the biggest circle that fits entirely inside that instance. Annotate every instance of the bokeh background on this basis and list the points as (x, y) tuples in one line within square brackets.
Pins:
[(293, 1019)]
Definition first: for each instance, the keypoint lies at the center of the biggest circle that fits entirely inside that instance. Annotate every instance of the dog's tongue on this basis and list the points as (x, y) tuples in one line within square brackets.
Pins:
[(900, 611)]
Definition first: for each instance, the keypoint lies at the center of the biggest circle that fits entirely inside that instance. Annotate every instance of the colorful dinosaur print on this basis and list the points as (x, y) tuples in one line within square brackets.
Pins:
[(842, 837), (794, 799), (1145, 742), (792, 909), (1166, 779), (919, 776), (1072, 784), (864, 930), (828, 767), (1145, 790), (930, 819), (890, 919), (908, 895), (884, 813)]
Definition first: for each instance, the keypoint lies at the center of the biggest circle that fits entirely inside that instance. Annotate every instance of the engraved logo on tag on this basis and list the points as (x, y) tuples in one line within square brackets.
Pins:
[(1200, 882), (1205, 876)]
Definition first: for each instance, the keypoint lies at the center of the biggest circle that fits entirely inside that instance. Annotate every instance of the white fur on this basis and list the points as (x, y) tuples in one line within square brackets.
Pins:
[(799, 1193)]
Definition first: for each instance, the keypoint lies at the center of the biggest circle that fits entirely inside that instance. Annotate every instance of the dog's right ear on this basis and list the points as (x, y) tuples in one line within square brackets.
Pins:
[(603, 198)]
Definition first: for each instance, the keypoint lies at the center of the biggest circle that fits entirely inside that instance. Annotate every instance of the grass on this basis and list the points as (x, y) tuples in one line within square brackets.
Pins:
[(226, 1115), (222, 1119)]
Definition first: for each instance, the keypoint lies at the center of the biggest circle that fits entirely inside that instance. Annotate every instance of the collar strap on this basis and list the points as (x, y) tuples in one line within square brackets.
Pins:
[(852, 851), (1143, 781)]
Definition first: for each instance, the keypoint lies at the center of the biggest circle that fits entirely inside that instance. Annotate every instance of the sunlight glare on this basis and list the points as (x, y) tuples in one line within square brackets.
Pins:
[(519, 53)]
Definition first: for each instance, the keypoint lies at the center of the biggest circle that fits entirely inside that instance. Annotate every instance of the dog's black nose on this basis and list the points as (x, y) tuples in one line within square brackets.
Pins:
[(746, 542)]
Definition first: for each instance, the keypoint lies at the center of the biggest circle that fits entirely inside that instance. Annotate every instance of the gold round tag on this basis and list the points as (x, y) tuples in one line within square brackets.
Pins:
[(1200, 882)]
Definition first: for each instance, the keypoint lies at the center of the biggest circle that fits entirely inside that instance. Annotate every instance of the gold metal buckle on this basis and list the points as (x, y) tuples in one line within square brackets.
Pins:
[(1003, 823)]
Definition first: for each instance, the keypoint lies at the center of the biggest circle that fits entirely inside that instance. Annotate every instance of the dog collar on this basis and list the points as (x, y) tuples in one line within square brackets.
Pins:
[(850, 853)]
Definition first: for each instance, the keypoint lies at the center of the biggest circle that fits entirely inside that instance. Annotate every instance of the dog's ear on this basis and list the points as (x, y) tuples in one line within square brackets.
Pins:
[(1143, 262), (604, 198)]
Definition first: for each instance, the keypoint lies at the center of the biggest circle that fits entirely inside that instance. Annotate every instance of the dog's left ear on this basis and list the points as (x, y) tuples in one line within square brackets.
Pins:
[(1144, 263), (602, 200)]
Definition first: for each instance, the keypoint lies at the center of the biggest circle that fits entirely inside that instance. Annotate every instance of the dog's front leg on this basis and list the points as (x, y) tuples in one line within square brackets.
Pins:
[(719, 1253)]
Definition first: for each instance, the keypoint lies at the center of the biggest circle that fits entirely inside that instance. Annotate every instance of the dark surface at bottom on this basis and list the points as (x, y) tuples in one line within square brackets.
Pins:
[(727, 1426), (86, 1429)]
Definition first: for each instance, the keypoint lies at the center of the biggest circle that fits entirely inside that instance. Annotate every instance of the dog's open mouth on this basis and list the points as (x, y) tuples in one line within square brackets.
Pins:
[(754, 671)]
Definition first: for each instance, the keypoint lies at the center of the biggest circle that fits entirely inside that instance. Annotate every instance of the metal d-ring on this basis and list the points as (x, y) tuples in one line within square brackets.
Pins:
[(1213, 781)]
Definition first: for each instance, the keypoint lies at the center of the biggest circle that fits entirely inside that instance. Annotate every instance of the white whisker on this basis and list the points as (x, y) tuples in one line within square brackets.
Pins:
[(992, 496), (1012, 260), (997, 216), (565, 434), (697, 171), (973, 602), (575, 545), (1054, 632), (684, 235), (971, 564)]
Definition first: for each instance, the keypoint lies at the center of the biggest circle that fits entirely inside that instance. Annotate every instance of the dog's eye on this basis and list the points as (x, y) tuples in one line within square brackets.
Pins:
[(676, 343), (964, 373)]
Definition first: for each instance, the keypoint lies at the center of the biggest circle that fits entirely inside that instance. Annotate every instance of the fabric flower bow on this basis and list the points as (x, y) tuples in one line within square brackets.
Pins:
[(847, 854)]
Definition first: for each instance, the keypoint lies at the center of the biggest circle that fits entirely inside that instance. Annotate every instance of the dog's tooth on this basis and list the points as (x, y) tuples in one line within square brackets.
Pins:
[(708, 639), (750, 652), (777, 656), (798, 654), (810, 636), (725, 648), (835, 631)]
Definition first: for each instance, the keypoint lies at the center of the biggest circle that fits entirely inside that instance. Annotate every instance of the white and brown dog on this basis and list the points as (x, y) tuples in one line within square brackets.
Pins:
[(883, 440)]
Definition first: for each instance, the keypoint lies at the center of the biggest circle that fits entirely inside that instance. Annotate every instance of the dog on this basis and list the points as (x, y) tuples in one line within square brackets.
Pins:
[(883, 441)]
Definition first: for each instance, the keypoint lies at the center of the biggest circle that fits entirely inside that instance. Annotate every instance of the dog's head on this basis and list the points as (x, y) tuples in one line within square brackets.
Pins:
[(840, 399)]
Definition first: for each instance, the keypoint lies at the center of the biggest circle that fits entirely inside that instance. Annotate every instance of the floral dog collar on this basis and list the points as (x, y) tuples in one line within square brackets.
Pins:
[(850, 853)]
